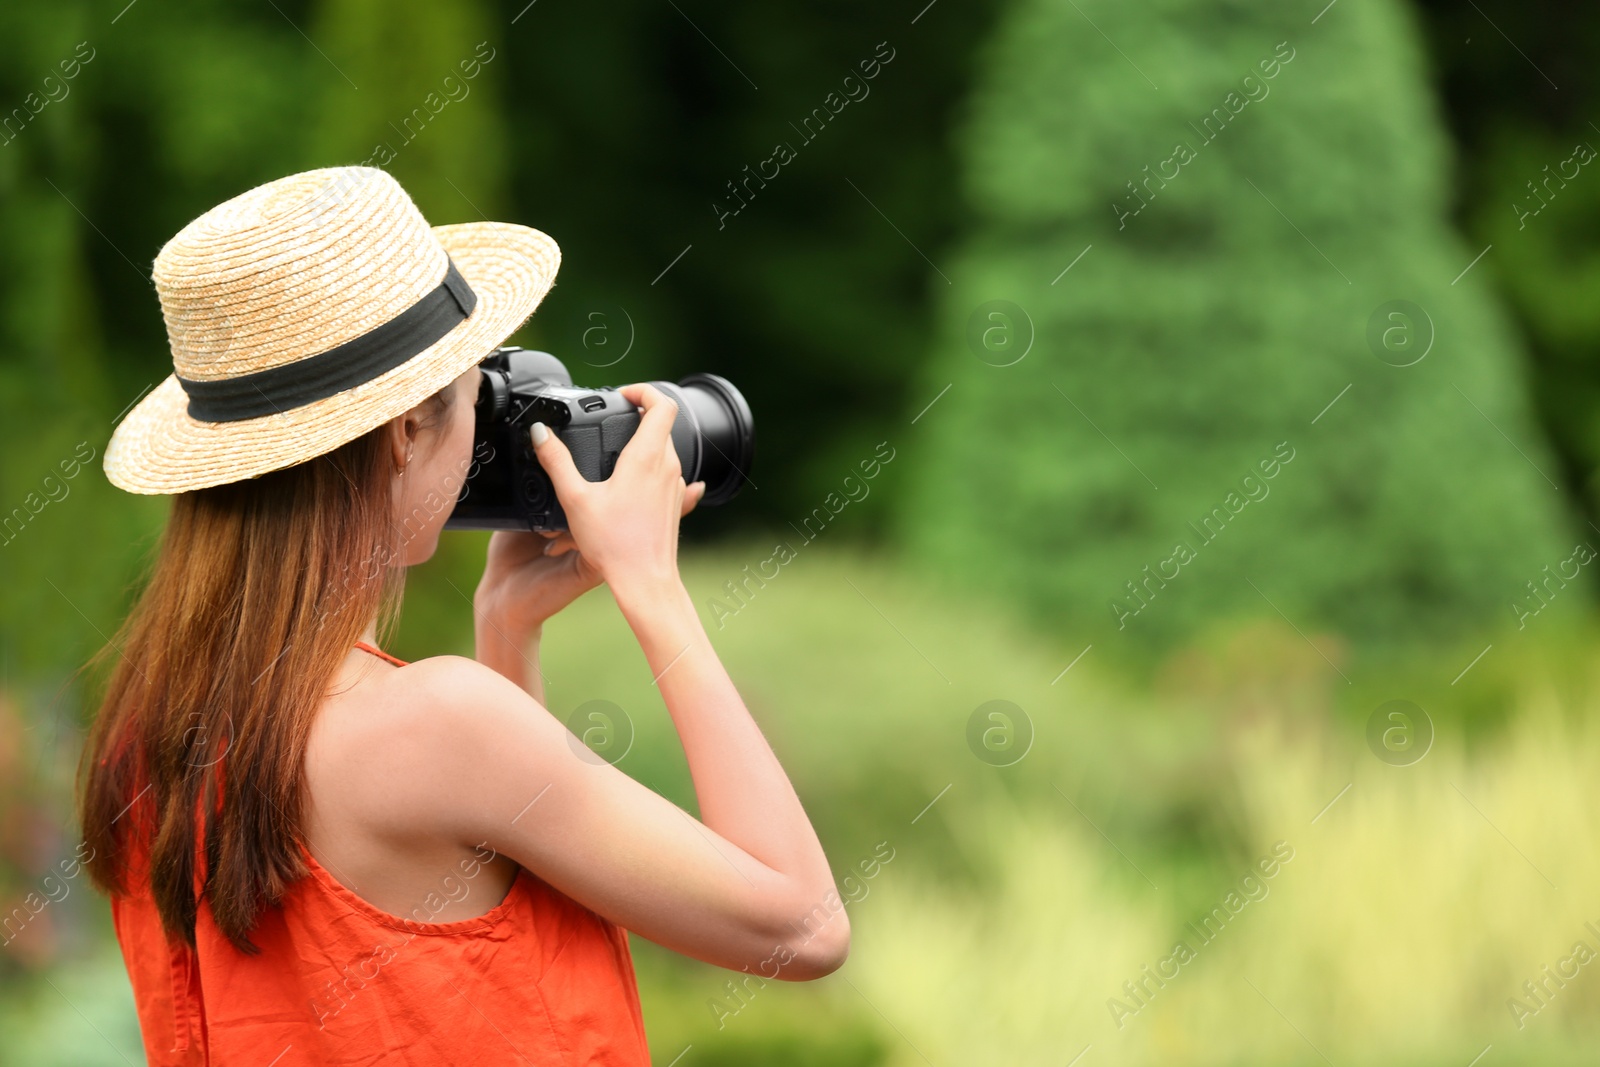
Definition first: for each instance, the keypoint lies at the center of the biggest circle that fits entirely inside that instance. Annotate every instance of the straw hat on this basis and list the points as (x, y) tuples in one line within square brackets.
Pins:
[(309, 310)]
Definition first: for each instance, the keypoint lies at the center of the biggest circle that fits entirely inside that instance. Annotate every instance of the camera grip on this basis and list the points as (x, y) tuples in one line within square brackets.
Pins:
[(587, 455), (595, 448)]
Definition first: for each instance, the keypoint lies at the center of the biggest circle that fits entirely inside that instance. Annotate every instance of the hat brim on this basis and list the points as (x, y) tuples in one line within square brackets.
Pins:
[(158, 448)]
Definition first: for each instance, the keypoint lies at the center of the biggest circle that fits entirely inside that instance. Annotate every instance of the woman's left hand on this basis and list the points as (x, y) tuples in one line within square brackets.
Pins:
[(528, 577), (525, 580)]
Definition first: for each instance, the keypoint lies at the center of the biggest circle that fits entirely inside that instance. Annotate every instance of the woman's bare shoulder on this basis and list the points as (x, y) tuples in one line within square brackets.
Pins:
[(402, 742), (430, 686)]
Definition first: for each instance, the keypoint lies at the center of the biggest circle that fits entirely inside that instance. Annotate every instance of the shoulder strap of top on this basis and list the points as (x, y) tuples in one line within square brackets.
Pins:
[(376, 651)]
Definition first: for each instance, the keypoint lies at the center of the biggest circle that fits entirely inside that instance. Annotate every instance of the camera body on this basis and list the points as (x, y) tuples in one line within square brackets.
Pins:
[(507, 489)]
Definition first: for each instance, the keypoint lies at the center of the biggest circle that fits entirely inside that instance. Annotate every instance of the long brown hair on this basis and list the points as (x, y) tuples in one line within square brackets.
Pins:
[(258, 591)]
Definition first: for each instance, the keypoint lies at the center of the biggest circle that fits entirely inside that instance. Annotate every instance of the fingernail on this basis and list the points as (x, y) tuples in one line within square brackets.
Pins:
[(540, 433)]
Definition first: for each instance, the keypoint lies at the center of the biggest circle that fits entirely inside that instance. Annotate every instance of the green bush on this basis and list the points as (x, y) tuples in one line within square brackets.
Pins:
[(1296, 183)]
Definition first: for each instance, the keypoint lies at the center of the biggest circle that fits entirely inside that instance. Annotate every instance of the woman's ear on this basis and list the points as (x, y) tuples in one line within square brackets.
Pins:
[(403, 430)]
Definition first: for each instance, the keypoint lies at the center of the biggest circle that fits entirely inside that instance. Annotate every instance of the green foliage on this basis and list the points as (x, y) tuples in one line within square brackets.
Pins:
[(1218, 311), (1540, 208), (1517, 114), (800, 1048), (64, 544), (1398, 933), (83, 1016), (432, 120)]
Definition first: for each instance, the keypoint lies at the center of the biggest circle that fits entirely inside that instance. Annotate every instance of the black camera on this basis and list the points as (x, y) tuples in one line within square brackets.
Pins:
[(507, 489)]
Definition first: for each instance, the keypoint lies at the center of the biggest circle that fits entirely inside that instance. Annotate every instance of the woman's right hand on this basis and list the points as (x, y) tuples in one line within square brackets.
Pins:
[(626, 527)]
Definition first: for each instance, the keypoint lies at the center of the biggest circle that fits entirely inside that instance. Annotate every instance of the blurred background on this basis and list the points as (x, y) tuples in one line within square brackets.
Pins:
[(1177, 454)]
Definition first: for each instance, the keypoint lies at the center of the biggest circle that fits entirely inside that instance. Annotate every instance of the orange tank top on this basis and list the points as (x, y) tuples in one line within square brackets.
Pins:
[(539, 979)]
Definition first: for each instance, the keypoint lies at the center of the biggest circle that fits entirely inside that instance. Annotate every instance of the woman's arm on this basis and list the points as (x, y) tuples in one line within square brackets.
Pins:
[(742, 791), (509, 650), (477, 758), (524, 584), (472, 759)]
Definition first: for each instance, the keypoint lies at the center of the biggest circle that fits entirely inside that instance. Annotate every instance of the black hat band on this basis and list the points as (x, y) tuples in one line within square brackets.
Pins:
[(360, 359)]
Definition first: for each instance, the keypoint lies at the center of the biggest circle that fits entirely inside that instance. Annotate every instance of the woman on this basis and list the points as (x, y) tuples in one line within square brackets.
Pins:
[(317, 853)]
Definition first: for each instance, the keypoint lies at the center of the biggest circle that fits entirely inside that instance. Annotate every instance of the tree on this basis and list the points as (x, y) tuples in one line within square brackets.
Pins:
[(1200, 217)]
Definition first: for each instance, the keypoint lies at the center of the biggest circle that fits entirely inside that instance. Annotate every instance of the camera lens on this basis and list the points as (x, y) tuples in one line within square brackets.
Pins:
[(725, 432)]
